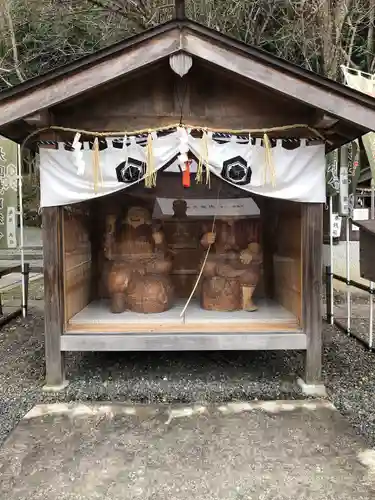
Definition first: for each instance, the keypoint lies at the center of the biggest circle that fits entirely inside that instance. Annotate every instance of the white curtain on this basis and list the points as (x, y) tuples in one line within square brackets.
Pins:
[(299, 174)]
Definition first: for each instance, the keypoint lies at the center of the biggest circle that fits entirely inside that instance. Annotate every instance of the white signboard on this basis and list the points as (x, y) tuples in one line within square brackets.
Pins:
[(344, 186), (359, 214), (206, 208), (11, 227), (336, 225), (8, 194)]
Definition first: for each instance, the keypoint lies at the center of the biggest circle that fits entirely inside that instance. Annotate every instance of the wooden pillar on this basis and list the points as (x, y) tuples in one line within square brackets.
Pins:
[(268, 242), (312, 249), (53, 295), (180, 10)]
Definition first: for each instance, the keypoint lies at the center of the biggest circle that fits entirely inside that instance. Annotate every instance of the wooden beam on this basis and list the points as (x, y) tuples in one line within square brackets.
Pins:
[(268, 218), (39, 119), (277, 80), (196, 341), (53, 294), (343, 130), (59, 90), (17, 131), (312, 249), (323, 121)]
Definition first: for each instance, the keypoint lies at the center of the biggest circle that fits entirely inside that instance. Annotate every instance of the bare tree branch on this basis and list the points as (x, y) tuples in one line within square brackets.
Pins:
[(317, 34), (8, 15)]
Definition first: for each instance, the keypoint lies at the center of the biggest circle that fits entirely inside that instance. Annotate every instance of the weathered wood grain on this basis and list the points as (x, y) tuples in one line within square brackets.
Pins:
[(53, 294), (273, 78), (287, 270), (185, 342), (204, 96), (93, 76), (77, 261), (312, 248)]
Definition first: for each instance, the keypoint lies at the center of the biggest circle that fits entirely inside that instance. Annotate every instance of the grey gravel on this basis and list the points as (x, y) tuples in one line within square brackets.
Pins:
[(349, 375), (360, 314)]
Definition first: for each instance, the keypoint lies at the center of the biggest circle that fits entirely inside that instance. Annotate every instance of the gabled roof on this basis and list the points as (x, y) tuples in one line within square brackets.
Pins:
[(338, 101)]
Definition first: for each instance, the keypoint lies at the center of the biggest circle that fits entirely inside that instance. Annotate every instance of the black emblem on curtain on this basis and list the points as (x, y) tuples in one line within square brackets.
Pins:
[(237, 171), (131, 171)]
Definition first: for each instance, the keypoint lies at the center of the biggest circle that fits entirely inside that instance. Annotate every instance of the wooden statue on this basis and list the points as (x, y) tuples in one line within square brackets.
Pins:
[(179, 209), (232, 269), (139, 276), (181, 232), (183, 237)]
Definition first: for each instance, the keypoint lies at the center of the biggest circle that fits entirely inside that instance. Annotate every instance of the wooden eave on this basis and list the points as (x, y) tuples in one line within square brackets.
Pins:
[(353, 111), (366, 225)]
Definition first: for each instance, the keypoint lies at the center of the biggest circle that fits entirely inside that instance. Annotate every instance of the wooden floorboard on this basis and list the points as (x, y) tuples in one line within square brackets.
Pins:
[(98, 317), (152, 328)]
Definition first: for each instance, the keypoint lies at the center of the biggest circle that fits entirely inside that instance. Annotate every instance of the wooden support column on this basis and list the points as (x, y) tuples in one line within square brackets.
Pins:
[(312, 249), (268, 217), (180, 10), (53, 296)]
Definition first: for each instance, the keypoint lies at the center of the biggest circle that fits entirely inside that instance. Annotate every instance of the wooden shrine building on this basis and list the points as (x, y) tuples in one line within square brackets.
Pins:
[(182, 98)]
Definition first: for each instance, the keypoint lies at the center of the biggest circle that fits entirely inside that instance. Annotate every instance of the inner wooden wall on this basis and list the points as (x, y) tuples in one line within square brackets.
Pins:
[(155, 97), (85, 266), (182, 236), (287, 255), (77, 259)]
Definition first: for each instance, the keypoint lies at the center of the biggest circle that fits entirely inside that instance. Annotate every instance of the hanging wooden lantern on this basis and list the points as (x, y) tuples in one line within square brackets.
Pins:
[(181, 63)]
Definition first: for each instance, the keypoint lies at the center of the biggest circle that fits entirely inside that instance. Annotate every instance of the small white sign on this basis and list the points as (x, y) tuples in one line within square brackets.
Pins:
[(336, 225), (240, 207), (11, 227), (359, 214)]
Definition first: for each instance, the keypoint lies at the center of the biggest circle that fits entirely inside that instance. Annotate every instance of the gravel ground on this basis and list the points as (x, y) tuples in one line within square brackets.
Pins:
[(349, 375), (360, 314)]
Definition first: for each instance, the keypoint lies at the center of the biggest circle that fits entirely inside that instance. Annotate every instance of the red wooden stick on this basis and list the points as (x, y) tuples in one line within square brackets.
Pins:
[(186, 175)]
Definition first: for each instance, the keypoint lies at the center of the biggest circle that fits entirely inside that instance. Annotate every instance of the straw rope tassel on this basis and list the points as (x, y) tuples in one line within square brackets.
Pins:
[(199, 174), (203, 161), (96, 164), (150, 176), (208, 171), (171, 127), (269, 163)]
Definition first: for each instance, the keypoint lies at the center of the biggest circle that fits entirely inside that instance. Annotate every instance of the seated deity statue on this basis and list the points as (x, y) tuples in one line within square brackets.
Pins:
[(179, 209), (232, 269), (138, 279)]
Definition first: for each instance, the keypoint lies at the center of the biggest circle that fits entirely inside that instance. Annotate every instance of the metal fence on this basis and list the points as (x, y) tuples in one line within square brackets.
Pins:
[(352, 310)]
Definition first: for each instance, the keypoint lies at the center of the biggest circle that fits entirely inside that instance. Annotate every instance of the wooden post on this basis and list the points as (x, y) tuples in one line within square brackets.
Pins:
[(53, 296), (312, 249), (180, 10), (25, 279), (267, 213)]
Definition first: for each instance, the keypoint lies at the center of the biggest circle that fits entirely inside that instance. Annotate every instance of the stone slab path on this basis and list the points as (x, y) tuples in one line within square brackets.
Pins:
[(255, 450)]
